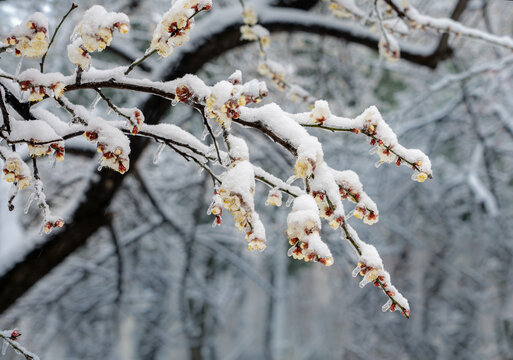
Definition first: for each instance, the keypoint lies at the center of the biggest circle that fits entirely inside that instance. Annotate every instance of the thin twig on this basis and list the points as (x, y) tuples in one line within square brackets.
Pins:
[(140, 60), (73, 7), (214, 140), (12, 343), (111, 105)]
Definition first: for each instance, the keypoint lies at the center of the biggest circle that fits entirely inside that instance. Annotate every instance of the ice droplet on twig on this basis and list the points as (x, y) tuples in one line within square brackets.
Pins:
[(289, 201), (95, 102), (355, 272), (29, 202), (386, 306), (4, 347), (364, 282), (204, 134), (156, 156)]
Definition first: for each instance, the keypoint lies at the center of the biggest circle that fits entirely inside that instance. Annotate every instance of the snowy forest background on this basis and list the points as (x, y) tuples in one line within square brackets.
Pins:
[(156, 281)]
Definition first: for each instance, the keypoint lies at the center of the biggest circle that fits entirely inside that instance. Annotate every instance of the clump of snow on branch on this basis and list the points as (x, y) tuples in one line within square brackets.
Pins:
[(237, 192), (303, 232), (97, 26), (370, 267), (30, 38), (227, 97), (15, 170), (39, 85)]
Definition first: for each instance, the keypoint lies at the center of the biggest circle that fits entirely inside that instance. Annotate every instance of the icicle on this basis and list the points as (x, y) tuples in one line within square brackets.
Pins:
[(4, 347), (349, 215), (378, 164), (157, 153), (95, 102), (29, 202), (289, 201), (356, 271), (291, 179), (204, 134), (364, 282), (218, 131), (212, 151), (18, 68), (386, 306), (290, 251)]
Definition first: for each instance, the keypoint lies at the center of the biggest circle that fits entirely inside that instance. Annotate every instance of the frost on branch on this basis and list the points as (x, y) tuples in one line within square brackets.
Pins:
[(30, 38)]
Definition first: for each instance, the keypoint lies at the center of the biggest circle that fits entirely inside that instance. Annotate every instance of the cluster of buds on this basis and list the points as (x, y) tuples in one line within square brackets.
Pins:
[(16, 171), (227, 97), (350, 188), (136, 121), (112, 156), (251, 31), (420, 176), (255, 33), (38, 150), (326, 210), (381, 279), (275, 72), (216, 209), (15, 334), (176, 25), (182, 93), (37, 92), (97, 27), (389, 47), (369, 273), (236, 192), (30, 39), (78, 54), (298, 94), (303, 232), (368, 216), (304, 166), (51, 223), (341, 9), (320, 112), (384, 153), (274, 197)]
